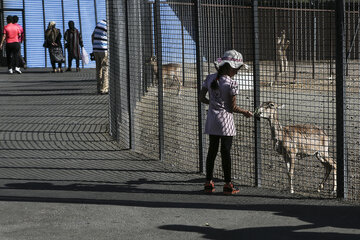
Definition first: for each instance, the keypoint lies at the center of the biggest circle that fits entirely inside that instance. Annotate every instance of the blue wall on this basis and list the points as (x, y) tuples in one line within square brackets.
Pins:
[(38, 13)]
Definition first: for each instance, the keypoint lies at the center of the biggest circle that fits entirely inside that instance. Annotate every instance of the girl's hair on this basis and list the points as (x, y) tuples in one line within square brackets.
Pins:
[(222, 70)]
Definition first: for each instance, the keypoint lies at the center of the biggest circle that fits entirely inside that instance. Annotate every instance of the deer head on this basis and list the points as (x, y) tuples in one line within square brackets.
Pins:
[(152, 61), (267, 110)]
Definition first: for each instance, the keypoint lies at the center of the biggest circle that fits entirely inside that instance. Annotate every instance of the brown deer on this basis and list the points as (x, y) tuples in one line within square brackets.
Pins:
[(298, 141), (170, 73)]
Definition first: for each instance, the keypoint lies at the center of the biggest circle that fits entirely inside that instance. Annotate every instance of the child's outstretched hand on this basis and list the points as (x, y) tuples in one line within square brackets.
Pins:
[(247, 114)]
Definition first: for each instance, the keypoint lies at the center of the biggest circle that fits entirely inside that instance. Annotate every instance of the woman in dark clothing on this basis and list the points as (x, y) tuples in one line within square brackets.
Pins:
[(73, 44), (53, 42)]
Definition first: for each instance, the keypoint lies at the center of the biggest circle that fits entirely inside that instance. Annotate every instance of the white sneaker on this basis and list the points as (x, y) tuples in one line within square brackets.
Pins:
[(17, 69), (11, 71)]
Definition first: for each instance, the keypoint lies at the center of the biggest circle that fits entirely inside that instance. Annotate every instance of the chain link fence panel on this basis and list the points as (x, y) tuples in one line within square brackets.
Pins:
[(161, 52)]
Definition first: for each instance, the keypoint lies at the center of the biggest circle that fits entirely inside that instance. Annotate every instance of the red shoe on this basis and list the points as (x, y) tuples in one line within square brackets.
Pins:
[(209, 186), (229, 189)]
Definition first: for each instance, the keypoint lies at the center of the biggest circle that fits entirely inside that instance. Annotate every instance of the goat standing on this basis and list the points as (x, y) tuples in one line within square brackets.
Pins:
[(298, 140), (170, 72)]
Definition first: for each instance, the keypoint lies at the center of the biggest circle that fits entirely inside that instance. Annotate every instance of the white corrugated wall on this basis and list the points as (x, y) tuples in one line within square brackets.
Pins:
[(34, 33)]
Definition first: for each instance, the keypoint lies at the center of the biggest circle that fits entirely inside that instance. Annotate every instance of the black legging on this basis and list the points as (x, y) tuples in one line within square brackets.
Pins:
[(226, 143), (12, 53)]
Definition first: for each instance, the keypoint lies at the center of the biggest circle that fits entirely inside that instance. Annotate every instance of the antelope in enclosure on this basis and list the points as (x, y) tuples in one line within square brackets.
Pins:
[(170, 73), (298, 141), (281, 47)]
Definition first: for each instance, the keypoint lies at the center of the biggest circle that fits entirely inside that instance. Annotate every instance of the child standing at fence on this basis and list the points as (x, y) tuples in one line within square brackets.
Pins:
[(220, 122)]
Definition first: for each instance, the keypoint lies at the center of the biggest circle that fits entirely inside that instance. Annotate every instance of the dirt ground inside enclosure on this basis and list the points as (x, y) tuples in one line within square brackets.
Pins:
[(301, 75), (305, 100)]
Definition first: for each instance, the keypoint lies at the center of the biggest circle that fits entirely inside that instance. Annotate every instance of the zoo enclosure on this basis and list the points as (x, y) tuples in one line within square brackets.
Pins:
[(318, 84)]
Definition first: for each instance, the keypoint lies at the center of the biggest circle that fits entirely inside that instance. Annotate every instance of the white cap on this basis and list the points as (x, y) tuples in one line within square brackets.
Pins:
[(233, 57)]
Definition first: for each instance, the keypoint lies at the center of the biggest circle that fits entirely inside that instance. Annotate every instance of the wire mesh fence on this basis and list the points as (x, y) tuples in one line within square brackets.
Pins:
[(161, 51), (351, 85)]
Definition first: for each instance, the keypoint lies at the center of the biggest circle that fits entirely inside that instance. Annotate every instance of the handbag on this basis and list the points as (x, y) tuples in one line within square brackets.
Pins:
[(92, 56), (84, 56), (56, 55)]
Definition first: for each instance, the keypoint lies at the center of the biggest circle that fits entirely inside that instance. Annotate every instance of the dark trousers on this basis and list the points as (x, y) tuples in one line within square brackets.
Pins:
[(226, 143), (77, 60), (12, 53), (53, 64)]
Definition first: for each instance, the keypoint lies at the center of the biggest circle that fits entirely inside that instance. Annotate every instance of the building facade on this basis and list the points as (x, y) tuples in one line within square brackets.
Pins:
[(34, 16)]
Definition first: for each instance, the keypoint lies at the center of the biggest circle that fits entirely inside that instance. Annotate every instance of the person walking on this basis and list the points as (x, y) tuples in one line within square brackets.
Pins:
[(220, 124), (22, 62), (11, 35), (73, 44), (53, 43), (100, 50)]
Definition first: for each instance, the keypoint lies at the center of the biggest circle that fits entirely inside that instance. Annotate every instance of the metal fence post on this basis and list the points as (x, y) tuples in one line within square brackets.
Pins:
[(44, 24), (24, 26), (128, 76), (95, 10), (183, 45), (314, 49), (199, 71), (158, 43), (115, 111), (340, 94), (63, 22), (295, 40), (80, 23), (256, 74)]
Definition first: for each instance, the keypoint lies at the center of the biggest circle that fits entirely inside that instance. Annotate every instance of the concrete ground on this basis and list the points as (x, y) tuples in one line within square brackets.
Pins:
[(62, 177)]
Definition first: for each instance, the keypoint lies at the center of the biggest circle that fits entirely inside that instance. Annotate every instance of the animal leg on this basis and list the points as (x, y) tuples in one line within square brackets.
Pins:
[(329, 165), (334, 172), (326, 175), (164, 81), (292, 167), (285, 63), (332, 166), (290, 161), (178, 82)]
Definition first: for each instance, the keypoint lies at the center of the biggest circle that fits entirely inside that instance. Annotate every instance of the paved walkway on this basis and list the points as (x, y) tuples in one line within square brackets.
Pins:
[(61, 177)]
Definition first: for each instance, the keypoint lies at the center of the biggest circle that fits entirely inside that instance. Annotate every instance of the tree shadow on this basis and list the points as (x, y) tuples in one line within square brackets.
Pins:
[(268, 233), (317, 213), (320, 218), (140, 186)]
